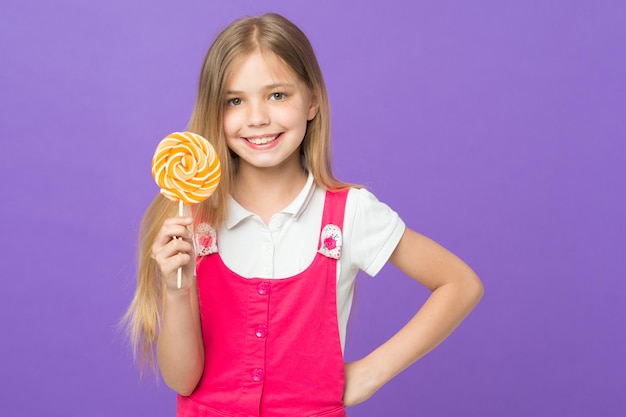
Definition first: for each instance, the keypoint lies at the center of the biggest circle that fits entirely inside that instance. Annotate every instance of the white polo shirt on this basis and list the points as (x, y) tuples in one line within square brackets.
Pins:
[(287, 246)]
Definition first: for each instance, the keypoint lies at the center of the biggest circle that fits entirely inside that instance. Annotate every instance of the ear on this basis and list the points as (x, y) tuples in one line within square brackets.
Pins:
[(313, 108)]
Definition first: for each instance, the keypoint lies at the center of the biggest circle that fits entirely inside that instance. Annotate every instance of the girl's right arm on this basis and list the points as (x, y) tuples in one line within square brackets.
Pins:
[(180, 350)]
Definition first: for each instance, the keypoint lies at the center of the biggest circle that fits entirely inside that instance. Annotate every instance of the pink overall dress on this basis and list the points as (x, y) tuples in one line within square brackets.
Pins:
[(272, 347)]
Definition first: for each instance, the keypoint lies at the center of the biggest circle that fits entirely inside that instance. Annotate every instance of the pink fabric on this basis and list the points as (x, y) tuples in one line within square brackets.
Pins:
[(272, 347)]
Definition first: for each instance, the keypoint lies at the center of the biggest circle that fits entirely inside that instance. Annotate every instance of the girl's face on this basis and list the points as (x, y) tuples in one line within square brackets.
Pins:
[(266, 112)]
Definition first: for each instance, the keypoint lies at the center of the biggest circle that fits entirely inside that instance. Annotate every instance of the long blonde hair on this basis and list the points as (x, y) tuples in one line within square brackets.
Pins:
[(268, 33)]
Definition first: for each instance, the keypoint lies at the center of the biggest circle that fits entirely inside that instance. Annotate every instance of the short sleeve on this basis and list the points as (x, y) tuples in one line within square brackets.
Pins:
[(372, 231)]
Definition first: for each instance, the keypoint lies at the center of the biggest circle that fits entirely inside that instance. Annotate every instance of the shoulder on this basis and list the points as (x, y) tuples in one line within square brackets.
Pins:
[(366, 216), (362, 202), (372, 230)]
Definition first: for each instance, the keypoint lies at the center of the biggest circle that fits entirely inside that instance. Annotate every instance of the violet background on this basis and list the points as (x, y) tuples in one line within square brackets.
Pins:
[(496, 128)]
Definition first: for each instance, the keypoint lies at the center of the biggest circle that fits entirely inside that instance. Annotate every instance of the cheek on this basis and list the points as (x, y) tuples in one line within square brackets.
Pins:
[(295, 117), (229, 124), (230, 129)]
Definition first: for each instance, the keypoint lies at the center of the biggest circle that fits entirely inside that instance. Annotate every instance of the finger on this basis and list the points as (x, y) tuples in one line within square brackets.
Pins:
[(179, 225), (172, 248), (168, 233), (185, 221), (169, 267), (171, 228)]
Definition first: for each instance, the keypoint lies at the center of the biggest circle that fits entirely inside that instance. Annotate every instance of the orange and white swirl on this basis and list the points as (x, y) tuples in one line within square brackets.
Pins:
[(186, 167)]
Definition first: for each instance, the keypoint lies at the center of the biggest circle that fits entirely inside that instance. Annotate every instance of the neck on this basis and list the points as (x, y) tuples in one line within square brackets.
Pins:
[(265, 192)]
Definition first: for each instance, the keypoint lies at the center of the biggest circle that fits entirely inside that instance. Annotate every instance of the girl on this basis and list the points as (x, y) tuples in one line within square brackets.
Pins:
[(268, 273)]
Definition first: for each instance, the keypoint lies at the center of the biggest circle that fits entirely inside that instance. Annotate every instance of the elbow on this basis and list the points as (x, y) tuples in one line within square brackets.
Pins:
[(183, 383), (185, 392), (181, 388), (475, 289), (181, 376)]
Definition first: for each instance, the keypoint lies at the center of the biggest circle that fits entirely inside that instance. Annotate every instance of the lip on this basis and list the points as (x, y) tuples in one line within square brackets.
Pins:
[(262, 141)]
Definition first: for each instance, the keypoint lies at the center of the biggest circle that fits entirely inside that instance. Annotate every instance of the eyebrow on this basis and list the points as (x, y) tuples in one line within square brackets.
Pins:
[(267, 87)]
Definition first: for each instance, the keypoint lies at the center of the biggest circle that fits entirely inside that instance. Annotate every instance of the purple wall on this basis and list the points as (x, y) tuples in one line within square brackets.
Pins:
[(496, 128)]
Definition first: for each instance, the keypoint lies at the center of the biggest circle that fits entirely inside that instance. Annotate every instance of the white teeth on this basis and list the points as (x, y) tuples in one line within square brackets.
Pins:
[(261, 141)]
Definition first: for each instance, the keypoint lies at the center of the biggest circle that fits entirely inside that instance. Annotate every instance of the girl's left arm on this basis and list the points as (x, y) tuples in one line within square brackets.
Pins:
[(455, 288)]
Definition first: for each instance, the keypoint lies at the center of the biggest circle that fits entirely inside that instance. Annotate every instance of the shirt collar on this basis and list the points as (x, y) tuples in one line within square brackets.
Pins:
[(236, 213)]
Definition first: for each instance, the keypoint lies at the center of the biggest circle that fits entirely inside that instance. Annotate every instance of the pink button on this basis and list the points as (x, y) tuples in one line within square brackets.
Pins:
[(261, 330), (263, 288), (257, 375)]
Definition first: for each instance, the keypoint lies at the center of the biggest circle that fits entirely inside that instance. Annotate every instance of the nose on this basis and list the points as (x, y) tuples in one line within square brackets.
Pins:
[(257, 114)]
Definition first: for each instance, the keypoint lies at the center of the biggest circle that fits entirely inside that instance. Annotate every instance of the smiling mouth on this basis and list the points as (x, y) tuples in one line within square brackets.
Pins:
[(262, 140)]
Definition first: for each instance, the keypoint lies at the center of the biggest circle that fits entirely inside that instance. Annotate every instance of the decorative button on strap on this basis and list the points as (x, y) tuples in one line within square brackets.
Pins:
[(205, 239), (331, 241)]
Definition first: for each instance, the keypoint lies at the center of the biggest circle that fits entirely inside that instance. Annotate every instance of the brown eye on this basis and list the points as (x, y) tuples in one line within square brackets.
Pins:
[(233, 102)]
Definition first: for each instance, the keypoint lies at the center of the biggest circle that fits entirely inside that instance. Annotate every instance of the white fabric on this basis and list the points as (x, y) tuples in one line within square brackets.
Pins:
[(286, 246)]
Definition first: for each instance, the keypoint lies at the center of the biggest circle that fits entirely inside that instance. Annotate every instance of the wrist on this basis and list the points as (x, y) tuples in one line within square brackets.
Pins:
[(176, 294), (378, 372)]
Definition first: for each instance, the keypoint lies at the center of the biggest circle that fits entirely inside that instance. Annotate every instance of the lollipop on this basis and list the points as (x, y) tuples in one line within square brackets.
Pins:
[(187, 169)]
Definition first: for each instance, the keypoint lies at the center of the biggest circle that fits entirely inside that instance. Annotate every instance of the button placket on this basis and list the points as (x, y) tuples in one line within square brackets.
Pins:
[(258, 330)]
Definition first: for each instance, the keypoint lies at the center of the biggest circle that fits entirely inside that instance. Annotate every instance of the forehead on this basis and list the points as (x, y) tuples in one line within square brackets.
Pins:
[(260, 67)]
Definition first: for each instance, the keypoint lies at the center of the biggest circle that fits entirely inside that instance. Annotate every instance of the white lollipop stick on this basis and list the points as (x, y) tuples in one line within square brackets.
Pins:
[(179, 281)]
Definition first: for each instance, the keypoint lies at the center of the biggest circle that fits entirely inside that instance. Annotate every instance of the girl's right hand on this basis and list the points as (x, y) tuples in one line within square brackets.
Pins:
[(360, 383), (172, 249)]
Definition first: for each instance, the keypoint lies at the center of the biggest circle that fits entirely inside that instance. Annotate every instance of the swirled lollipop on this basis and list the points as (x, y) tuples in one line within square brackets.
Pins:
[(187, 169)]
